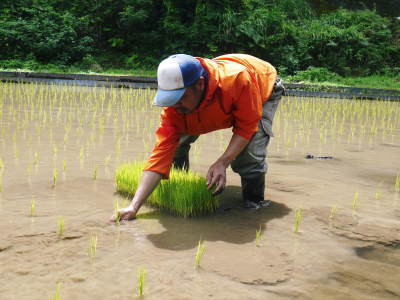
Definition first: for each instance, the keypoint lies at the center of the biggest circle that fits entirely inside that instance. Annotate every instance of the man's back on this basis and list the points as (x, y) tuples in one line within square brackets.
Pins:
[(264, 73)]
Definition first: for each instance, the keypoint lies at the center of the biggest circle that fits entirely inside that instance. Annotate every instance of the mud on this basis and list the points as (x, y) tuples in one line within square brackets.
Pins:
[(351, 255)]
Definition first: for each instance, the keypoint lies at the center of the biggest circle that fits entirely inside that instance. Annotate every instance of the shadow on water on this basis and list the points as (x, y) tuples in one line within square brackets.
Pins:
[(231, 224), (381, 253)]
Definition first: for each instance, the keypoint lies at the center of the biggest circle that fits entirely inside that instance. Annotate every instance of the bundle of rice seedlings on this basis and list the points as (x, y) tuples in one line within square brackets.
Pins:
[(184, 193)]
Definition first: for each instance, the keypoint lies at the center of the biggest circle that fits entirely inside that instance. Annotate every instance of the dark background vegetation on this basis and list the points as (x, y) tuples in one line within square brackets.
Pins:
[(324, 38)]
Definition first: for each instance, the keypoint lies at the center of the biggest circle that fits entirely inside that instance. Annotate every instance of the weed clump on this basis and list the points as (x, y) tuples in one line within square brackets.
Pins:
[(184, 194)]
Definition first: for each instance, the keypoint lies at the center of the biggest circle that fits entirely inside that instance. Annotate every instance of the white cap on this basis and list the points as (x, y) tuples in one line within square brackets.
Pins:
[(174, 74)]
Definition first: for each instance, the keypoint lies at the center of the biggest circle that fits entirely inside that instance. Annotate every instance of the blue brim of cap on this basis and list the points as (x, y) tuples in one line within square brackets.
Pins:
[(168, 98)]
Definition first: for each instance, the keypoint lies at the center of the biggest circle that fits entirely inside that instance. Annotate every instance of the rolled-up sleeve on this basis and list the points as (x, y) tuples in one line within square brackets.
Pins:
[(167, 139)]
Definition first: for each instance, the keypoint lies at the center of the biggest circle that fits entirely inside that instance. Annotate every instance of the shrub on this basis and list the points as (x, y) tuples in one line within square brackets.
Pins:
[(314, 74), (347, 42), (43, 33)]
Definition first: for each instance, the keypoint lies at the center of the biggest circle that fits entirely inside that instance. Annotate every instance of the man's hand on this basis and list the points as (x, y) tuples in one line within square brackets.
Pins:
[(216, 176), (127, 213), (149, 182)]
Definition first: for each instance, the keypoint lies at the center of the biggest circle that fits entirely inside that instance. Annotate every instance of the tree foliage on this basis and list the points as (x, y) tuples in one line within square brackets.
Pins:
[(42, 33), (291, 34)]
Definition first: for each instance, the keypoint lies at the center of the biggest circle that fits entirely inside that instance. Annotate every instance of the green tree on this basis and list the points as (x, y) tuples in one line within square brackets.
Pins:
[(43, 34), (347, 42)]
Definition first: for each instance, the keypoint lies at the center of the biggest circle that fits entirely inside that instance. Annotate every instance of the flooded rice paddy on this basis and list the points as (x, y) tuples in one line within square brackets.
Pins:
[(60, 146)]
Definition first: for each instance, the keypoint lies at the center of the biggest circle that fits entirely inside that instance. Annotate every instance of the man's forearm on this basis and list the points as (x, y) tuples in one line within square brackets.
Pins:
[(149, 182), (236, 145)]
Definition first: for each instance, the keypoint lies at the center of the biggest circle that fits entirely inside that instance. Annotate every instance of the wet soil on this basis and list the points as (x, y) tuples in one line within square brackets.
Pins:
[(351, 254)]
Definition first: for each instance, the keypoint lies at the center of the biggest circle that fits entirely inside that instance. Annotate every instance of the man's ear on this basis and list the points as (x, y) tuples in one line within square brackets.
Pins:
[(200, 84)]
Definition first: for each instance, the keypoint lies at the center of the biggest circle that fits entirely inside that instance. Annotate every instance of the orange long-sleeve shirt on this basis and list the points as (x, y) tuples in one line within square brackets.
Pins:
[(238, 85)]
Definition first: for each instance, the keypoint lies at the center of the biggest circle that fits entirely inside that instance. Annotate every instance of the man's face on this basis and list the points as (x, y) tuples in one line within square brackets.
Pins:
[(191, 98)]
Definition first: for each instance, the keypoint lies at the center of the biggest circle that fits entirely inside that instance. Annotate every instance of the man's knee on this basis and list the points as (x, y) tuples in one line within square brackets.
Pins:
[(249, 167)]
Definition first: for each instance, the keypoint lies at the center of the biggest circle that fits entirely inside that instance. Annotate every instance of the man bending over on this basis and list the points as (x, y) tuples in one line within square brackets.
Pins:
[(201, 95)]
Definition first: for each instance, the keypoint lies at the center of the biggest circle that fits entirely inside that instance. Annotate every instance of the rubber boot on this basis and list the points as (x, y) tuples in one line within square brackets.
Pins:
[(253, 192), (181, 163)]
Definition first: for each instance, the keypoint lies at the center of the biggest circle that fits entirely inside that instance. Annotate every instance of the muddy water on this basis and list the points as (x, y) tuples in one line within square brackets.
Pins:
[(86, 133)]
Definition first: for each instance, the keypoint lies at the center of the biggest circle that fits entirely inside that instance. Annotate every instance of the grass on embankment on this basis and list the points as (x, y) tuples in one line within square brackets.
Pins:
[(73, 70), (373, 81), (325, 77), (33, 66), (183, 194)]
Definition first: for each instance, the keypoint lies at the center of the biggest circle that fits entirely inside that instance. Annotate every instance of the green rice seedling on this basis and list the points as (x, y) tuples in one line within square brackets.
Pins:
[(36, 158), (60, 227), (55, 176), (118, 146), (333, 211), (82, 153), (1, 163), (355, 201), (378, 191), (29, 169), (297, 219), (33, 208), (94, 175), (93, 247), (57, 295), (107, 160), (65, 138), (55, 149), (378, 195), (397, 184), (16, 152), (116, 209), (64, 165), (258, 236), (184, 194), (140, 277), (199, 253)]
